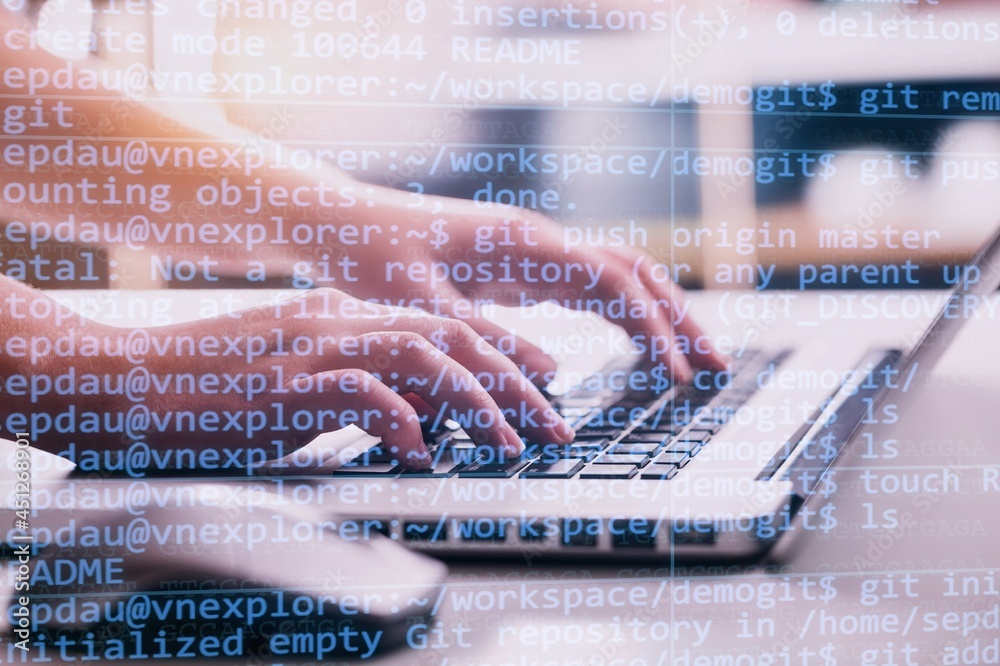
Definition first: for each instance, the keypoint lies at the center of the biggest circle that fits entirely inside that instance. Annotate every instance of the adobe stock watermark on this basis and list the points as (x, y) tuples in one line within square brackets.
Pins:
[(21, 611)]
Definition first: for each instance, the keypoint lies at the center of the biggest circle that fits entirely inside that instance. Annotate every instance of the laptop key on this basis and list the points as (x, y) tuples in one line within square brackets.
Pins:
[(440, 468), (584, 452), (627, 448), (632, 533), (456, 452), (560, 469), (622, 459), (609, 472), (553, 452), (688, 448), (597, 431), (587, 449), (497, 469), (663, 430), (428, 532), (660, 472), (581, 532), (595, 441), (638, 438), (638, 399), (372, 469), (695, 436), (377, 454), (672, 458), (706, 426)]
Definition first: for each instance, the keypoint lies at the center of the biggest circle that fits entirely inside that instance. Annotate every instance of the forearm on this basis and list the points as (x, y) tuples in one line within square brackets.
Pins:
[(85, 133), (66, 378), (34, 331)]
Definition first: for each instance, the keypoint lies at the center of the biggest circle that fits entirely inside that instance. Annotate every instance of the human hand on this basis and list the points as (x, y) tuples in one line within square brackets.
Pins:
[(508, 256), (291, 370)]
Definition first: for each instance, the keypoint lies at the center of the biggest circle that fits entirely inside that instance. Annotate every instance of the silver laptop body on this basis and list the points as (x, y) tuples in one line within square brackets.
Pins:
[(826, 372)]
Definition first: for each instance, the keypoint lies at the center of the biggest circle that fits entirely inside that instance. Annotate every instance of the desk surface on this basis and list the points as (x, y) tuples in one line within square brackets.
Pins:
[(909, 573)]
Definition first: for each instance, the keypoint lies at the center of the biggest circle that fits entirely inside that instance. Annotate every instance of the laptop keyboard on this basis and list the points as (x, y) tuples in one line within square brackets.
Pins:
[(654, 436)]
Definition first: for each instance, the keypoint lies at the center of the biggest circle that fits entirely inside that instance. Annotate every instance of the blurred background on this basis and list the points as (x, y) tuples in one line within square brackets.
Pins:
[(749, 144)]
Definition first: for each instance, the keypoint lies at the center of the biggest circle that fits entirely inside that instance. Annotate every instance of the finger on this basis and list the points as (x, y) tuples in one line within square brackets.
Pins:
[(425, 413), (704, 353), (673, 303), (535, 361), (523, 404), (587, 273), (441, 382), (536, 364), (383, 412), (653, 329)]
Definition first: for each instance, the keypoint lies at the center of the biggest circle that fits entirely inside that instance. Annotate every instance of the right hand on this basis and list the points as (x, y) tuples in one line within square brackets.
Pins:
[(332, 360)]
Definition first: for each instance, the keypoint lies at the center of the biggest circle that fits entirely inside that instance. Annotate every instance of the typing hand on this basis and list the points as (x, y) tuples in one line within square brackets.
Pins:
[(286, 371), (449, 251)]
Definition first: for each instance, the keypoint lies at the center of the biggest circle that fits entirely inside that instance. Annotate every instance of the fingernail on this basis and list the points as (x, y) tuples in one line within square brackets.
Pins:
[(418, 458), (565, 430), (682, 371), (514, 444)]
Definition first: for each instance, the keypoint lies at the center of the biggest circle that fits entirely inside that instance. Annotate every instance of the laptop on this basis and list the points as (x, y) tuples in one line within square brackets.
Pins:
[(718, 469)]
